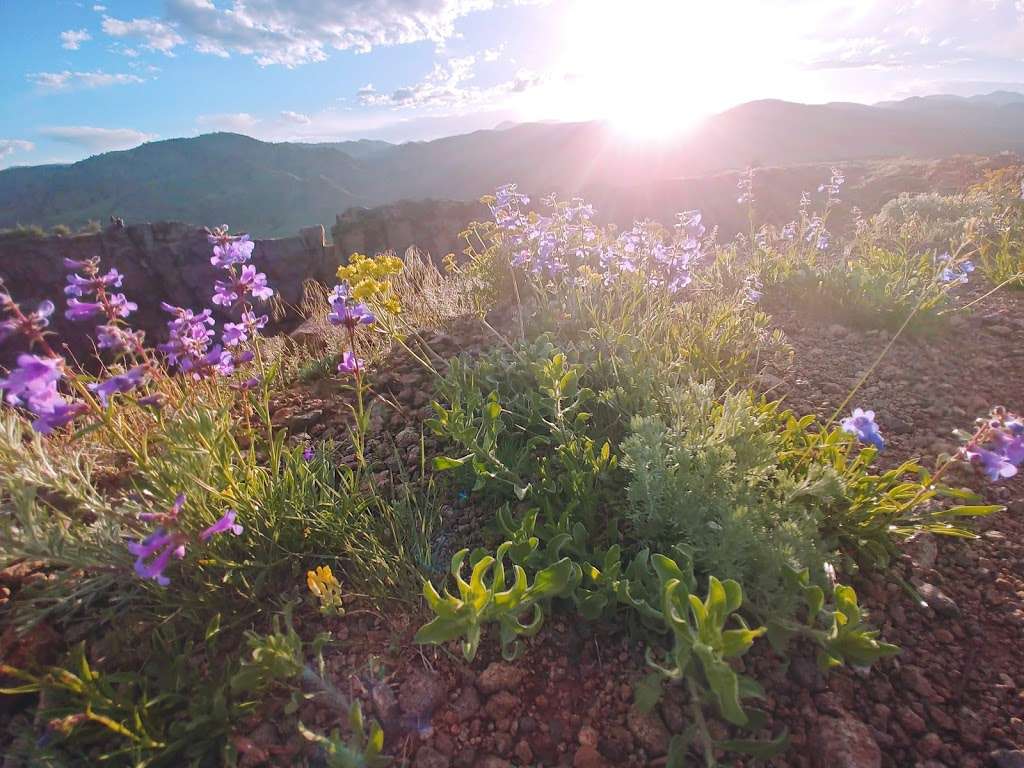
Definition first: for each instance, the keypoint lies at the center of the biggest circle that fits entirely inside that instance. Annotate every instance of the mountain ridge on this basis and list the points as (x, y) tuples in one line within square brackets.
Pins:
[(273, 188)]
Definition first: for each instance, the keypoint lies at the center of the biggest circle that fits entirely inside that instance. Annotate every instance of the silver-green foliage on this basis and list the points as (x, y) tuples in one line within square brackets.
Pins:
[(711, 482)]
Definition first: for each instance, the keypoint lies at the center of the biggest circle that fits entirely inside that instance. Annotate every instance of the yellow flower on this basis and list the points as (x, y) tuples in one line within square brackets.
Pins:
[(325, 587), (369, 280)]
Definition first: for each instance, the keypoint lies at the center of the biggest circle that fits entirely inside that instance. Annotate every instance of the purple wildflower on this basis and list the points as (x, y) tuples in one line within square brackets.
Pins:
[(59, 413), (116, 339), (124, 382), (34, 379), (31, 326), (308, 453), (189, 337), (224, 525), (160, 546), (994, 464), (248, 283), (228, 250), (79, 311), (248, 326), (862, 424), (350, 363), (351, 316)]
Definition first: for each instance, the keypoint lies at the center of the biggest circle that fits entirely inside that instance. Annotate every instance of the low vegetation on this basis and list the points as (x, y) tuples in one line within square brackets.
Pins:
[(624, 465)]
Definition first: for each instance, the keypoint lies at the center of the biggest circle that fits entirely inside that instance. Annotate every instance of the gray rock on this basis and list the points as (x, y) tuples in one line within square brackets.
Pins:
[(301, 422), (939, 601), (467, 704), (500, 676), (421, 693), (1008, 758)]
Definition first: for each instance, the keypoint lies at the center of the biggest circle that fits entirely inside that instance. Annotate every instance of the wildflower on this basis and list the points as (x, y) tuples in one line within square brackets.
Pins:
[(745, 185), (862, 424), (79, 311), (349, 315), (30, 325), (752, 289), (156, 400), (224, 525), (58, 413), (789, 231), (116, 339), (94, 284), (229, 250), (308, 453), (994, 464), (322, 583), (124, 382), (350, 363), (189, 336), (248, 326), (954, 273), (32, 380), (166, 519), (160, 546), (248, 283)]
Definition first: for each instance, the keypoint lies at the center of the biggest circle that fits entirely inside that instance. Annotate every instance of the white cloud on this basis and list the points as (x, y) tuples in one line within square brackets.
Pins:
[(72, 39), (295, 117), (155, 35), (10, 146), (235, 122), (99, 8), (96, 139), (447, 85), (294, 32), (67, 80), (493, 54)]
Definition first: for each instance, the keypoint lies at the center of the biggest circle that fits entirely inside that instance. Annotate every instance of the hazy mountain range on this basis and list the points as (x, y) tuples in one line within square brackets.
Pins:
[(274, 189)]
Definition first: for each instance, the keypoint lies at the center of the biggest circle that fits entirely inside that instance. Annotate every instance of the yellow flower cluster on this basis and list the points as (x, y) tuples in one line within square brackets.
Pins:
[(325, 587), (369, 280)]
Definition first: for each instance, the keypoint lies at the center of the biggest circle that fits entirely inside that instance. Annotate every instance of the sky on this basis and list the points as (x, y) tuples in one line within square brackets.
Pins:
[(80, 78)]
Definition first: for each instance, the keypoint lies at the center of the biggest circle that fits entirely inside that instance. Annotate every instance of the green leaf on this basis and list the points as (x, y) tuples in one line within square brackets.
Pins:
[(442, 463), (648, 692)]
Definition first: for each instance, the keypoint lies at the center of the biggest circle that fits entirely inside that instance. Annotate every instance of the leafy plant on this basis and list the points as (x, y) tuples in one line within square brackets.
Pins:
[(362, 750), (479, 602)]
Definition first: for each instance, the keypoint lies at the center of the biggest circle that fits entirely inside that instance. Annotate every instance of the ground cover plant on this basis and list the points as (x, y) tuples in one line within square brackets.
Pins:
[(624, 461)]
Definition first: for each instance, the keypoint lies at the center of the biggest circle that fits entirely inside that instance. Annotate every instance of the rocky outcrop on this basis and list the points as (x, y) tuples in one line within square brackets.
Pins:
[(164, 261), (433, 226)]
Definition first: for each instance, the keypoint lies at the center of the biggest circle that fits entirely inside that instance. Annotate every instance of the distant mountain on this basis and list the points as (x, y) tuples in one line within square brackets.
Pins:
[(275, 189)]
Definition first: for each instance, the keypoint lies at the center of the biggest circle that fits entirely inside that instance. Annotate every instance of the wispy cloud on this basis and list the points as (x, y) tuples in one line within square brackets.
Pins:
[(72, 39), (68, 80), (10, 146), (95, 139), (235, 122), (298, 118), (152, 34)]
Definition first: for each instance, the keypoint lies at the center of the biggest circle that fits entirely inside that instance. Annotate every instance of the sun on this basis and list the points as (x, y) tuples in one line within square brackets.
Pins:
[(651, 68)]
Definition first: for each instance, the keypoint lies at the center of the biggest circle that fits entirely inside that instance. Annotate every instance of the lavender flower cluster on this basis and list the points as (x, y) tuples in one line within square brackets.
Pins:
[(997, 445), (566, 238), (350, 314), (153, 553)]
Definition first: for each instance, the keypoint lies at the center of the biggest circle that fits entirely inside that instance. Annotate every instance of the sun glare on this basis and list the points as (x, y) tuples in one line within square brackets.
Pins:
[(651, 68)]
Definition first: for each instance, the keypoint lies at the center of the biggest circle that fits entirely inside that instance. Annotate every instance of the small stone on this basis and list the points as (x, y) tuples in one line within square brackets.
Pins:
[(523, 752), (466, 704), (500, 676), (1008, 758), (649, 731), (428, 757), (302, 422), (939, 601), (588, 736), (501, 705), (588, 757), (930, 745), (421, 693), (844, 742), (911, 721)]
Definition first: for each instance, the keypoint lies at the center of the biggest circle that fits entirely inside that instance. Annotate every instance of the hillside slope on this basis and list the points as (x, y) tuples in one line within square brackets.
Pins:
[(273, 189)]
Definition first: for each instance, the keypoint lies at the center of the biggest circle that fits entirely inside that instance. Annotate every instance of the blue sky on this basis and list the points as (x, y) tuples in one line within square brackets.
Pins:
[(81, 77)]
